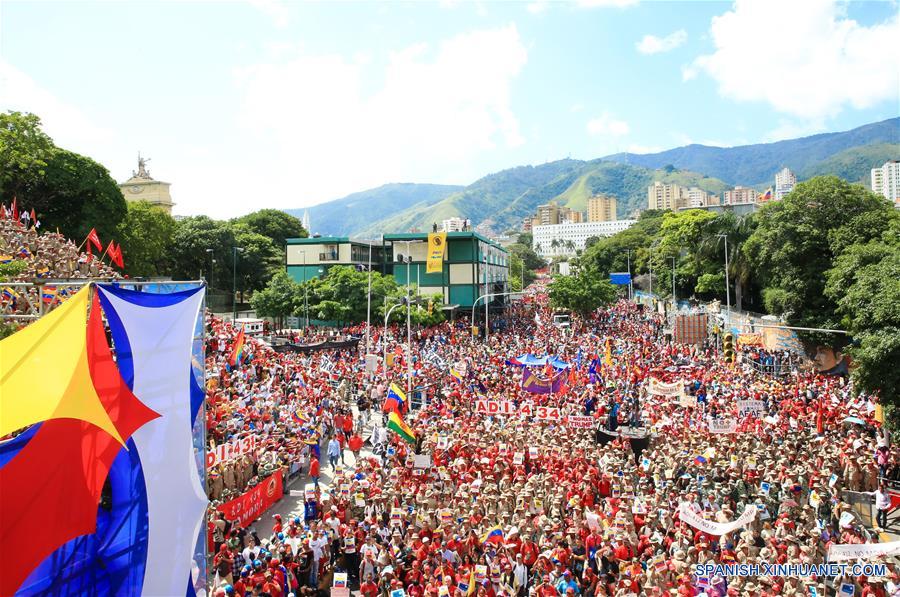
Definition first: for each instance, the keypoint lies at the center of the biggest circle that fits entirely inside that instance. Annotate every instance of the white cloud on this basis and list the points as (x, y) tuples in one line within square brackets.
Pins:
[(804, 58), (537, 7), (788, 129), (606, 3), (651, 44), (276, 10), (67, 125), (607, 125), (439, 108), (576, 107)]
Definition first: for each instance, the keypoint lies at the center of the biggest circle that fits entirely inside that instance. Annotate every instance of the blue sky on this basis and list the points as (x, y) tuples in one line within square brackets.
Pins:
[(263, 103)]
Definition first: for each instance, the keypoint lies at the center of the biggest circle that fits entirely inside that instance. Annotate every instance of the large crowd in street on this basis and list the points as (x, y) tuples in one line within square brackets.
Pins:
[(648, 459)]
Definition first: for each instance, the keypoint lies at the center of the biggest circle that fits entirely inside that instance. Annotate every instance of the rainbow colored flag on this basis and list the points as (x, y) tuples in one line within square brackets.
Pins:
[(399, 426), (237, 351)]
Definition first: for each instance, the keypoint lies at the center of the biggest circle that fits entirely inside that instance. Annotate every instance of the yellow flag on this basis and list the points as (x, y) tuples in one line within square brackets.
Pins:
[(437, 246), (44, 372)]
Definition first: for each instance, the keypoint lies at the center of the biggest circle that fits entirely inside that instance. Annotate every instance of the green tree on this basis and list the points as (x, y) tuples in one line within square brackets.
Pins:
[(530, 259), (24, 151), (76, 194), (737, 229), (278, 299), (680, 235), (798, 239), (275, 224), (146, 235), (192, 237), (581, 293), (342, 295), (258, 260), (865, 284)]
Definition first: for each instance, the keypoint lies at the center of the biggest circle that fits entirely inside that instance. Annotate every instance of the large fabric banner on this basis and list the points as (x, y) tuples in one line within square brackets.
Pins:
[(862, 551), (537, 385), (250, 506), (716, 528), (666, 390), (130, 423), (437, 246), (153, 334)]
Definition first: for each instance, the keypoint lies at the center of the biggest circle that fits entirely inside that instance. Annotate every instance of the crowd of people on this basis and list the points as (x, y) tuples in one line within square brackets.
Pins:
[(43, 256), (528, 502)]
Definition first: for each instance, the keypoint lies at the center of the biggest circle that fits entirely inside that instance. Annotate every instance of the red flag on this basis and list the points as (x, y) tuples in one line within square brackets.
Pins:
[(15, 210), (548, 369), (820, 422), (117, 258), (33, 218), (93, 239)]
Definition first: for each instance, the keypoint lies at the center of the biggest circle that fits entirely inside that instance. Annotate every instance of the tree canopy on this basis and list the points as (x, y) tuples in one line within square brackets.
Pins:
[(275, 224), (581, 293), (798, 239), (146, 235), (67, 191)]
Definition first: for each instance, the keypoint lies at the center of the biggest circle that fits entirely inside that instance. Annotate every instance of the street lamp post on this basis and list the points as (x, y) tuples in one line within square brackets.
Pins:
[(673, 285), (369, 302), (235, 251), (387, 316), (630, 291), (305, 294), (212, 263)]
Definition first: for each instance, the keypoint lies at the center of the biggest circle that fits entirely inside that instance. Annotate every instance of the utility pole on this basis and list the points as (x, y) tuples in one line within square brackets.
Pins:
[(674, 303), (727, 281), (234, 283)]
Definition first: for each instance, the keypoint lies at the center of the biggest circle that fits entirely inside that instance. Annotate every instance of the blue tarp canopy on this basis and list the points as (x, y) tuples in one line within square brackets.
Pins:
[(529, 360)]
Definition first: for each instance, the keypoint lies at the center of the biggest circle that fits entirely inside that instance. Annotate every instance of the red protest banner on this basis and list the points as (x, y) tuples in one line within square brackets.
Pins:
[(248, 507)]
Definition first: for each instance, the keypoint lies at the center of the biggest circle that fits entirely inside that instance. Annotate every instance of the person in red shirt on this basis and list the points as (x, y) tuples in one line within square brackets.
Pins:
[(314, 469)]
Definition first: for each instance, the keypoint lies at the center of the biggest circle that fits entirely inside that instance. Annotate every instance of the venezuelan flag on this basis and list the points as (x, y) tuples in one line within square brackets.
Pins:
[(24, 252), (395, 400), (455, 375), (43, 272), (493, 535), (9, 293), (6, 258), (700, 459), (48, 294), (237, 351), (297, 417)]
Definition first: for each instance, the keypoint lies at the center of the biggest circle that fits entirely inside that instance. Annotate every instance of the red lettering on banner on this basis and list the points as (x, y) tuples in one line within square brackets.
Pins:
[(481, 406), (248, 507)]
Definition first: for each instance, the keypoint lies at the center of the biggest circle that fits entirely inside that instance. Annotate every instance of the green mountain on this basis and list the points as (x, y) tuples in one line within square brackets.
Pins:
[(502, 200), (348, 215), (854, 164), (752, 165)]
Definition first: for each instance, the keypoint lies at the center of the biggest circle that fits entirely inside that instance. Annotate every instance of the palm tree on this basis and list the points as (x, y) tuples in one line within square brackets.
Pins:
[(737, 229)]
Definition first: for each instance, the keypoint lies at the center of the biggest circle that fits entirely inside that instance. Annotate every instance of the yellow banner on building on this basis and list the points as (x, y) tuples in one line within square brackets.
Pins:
[(437, 246)]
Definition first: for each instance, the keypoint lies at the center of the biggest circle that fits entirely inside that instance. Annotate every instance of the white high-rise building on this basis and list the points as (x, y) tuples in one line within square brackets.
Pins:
[(453, 225), (569, 237), (785, 181), (305, 221), (886, 180)]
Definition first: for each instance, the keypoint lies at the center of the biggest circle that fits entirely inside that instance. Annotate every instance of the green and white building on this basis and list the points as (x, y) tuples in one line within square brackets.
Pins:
[(473, 265)]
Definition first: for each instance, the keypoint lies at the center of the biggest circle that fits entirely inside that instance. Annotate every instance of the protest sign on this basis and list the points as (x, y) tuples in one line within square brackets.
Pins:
[(716, 528)]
